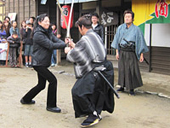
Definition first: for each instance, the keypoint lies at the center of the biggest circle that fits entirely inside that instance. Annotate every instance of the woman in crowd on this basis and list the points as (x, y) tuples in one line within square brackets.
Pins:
[(2, 31), (14, 28), (7, 27), (23, 29), (54, 55)]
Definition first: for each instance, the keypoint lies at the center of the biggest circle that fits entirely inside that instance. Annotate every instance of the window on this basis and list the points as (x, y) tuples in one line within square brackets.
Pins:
[(2, 10)]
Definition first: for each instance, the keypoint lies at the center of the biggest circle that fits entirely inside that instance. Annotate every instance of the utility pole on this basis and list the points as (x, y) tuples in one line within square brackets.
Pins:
[(58, 32)]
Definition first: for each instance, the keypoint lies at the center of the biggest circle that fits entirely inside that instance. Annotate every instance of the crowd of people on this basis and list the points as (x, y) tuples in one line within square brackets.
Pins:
[(10, 32)]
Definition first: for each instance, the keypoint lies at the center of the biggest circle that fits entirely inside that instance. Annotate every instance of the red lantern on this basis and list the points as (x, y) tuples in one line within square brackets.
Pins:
[(66, 12)]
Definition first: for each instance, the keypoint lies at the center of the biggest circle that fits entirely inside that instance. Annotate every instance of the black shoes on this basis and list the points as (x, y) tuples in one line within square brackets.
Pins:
[(132, 93), (91, 120), (121, 89), (54, 109), (51, 109), (23, 102)]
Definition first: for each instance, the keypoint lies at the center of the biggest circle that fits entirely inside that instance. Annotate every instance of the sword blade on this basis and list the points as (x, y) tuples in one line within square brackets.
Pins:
[(69, 22)]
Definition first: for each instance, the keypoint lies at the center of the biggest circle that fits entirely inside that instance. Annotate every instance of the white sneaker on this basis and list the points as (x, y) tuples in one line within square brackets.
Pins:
[(52, 65), (26, 65)]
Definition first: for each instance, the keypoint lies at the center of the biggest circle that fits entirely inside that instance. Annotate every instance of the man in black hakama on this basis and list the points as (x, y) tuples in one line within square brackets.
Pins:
[(90, 93)]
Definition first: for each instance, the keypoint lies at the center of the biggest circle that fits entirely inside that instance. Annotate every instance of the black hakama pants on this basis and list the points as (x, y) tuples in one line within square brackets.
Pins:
[(128, 70), (91, 93)]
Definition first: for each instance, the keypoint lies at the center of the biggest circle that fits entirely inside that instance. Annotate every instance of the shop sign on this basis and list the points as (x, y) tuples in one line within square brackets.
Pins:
[(109, 18), (12, 16), (161, 8)]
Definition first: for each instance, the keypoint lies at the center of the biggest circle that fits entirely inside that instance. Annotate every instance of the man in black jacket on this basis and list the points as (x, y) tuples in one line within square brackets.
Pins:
[(98, 28)]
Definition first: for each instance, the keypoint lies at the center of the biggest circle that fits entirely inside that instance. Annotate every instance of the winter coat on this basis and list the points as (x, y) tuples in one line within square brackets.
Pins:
[(14, 43), (2, 34), (28, 37), (44, 42), (11, 30), (99, 29)]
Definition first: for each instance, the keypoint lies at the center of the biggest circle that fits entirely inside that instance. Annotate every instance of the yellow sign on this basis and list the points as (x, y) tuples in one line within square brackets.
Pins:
[(144, 8)]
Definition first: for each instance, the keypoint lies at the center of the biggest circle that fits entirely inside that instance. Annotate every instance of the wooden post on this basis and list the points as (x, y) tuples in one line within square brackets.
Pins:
[(99, 9), (6, 64), (80, 14), (20, 55), (150, 49), (58, 32)]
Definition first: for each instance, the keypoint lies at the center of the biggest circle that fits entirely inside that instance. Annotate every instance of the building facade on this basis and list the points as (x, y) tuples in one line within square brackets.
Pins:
[(156, 30), (2, 9)]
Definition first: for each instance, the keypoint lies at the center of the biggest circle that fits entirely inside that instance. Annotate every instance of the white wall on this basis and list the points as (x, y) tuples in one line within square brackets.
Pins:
[(160, 35), (147, 33)]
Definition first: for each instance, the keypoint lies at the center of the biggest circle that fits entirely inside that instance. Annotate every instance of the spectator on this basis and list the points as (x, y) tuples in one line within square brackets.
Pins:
[(54, 29), (14, 28), (7, 18), (14, 41), (32, 19), (2, 40), (2, 31), (28, 43), (23, 36), (23, 30), (7, 27), (96, 26), (54, 58)]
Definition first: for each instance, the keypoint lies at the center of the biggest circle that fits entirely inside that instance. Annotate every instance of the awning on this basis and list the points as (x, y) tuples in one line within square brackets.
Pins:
[(68, 1), (75, 1)]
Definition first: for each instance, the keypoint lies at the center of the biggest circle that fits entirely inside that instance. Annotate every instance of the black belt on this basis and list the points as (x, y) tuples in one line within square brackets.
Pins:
[(127, 48)]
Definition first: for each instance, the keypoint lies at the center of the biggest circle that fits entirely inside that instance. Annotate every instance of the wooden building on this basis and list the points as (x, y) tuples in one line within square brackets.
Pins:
[(2, 10), (111, 16), (28, 8)]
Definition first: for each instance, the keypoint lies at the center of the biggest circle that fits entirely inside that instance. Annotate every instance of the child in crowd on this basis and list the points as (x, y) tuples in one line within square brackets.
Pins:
[(14, 28), (14, 42), (28, 43)]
